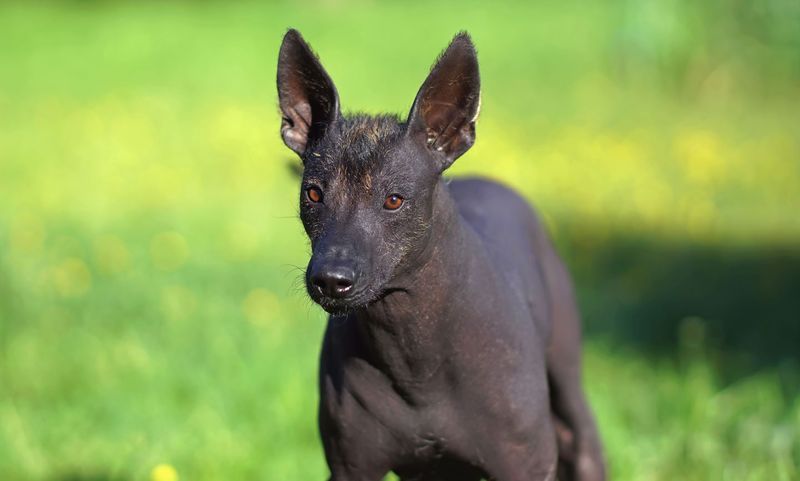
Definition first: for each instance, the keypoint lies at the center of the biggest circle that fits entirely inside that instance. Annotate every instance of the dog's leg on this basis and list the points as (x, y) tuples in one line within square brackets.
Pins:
[(580, 455), (522, 463), (360, 474), (355, 462), (580, 452), (466, 477), (445, 470), (352, 458), (522, 449), (460, 475)]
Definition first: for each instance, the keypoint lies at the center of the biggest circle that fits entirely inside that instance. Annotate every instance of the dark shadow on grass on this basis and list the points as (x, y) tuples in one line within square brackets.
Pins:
[(740, 305)]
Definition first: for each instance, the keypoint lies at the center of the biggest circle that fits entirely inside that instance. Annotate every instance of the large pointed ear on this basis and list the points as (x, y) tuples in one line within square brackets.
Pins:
[(444, 112), (308, 99)]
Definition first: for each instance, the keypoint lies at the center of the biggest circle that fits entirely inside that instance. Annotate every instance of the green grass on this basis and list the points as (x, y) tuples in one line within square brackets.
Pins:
[(150, 308)]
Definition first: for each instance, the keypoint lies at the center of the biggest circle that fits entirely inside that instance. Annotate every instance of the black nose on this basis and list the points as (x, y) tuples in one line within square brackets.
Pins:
[(334, 282)]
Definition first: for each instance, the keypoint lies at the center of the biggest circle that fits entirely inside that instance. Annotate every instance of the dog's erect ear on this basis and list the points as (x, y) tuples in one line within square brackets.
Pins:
[(444, 112), (308, 99)]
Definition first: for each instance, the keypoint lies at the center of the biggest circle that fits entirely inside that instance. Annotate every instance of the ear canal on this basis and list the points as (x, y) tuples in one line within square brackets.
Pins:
[(308, 99), (447, 105)]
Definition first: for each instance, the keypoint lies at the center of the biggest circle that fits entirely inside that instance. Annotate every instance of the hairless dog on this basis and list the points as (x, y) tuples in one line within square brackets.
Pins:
[(452, 350)]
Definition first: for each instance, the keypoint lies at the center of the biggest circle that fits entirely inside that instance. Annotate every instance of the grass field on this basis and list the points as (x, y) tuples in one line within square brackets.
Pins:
[(152, 323)]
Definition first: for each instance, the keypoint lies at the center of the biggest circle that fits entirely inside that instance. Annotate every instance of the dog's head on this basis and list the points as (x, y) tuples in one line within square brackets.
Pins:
[(369, 182)]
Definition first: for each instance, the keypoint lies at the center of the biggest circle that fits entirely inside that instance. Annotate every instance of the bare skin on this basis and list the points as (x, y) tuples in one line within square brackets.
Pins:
[(453, 347)]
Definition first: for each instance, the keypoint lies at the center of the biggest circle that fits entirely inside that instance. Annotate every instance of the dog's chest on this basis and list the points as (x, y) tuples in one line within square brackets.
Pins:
[(418, 424)]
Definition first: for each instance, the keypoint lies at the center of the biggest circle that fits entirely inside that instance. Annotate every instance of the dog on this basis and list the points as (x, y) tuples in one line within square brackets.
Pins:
[(452, 350)]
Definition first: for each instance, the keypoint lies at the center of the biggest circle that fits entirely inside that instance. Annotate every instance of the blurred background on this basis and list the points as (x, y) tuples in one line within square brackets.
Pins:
[(153, 323)]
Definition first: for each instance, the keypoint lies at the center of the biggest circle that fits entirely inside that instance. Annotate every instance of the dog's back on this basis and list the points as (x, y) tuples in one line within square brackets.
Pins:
[(522, 252), (513, 239)]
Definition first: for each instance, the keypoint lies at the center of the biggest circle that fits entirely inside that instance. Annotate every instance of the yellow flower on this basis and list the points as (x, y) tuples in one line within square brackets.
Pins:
[(164, 472)]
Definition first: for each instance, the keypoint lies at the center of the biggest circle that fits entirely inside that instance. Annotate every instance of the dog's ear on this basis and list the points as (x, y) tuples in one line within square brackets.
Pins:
[(444, 112), (308, 99)]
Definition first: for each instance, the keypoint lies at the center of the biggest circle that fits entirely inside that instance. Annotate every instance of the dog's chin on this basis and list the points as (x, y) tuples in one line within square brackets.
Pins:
[(341, 307)]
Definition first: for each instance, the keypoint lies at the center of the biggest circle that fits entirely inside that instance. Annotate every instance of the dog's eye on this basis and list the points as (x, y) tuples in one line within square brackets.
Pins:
[(392, 202), (314, 194)]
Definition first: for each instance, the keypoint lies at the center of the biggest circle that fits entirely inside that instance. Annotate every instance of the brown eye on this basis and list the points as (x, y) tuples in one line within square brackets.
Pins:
[(393, 202), (314, 194)]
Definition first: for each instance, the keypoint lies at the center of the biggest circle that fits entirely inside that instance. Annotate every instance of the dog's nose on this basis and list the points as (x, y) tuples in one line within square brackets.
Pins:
[(335, 282)]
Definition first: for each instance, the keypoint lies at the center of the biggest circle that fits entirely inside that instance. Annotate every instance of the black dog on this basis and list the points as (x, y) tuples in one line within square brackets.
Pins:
[(453, 346)]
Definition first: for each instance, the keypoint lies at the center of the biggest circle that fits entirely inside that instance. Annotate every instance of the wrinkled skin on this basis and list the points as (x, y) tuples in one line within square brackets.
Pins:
[(453, 347)]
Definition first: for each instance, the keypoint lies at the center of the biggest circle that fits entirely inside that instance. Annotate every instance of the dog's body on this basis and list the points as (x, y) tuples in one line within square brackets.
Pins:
[(452, 351)]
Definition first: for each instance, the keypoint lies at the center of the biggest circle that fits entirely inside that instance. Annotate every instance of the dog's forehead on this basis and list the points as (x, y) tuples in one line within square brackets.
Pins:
[(358, 149)]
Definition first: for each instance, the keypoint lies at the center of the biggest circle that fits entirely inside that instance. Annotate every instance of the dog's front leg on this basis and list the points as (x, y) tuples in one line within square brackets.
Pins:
[(357, 447), (532, 456), (534, 468), (355, 459), (356, 474)]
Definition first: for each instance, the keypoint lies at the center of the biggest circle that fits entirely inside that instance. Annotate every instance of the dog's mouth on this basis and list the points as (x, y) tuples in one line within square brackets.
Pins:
[(360, 300), (343, 306)]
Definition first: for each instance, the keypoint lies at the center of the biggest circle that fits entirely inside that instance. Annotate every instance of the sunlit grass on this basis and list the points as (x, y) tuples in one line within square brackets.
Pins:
[(152, 325)]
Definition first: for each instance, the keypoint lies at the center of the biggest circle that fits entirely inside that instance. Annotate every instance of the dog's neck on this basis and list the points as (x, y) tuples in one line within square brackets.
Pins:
[(406, 333)]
